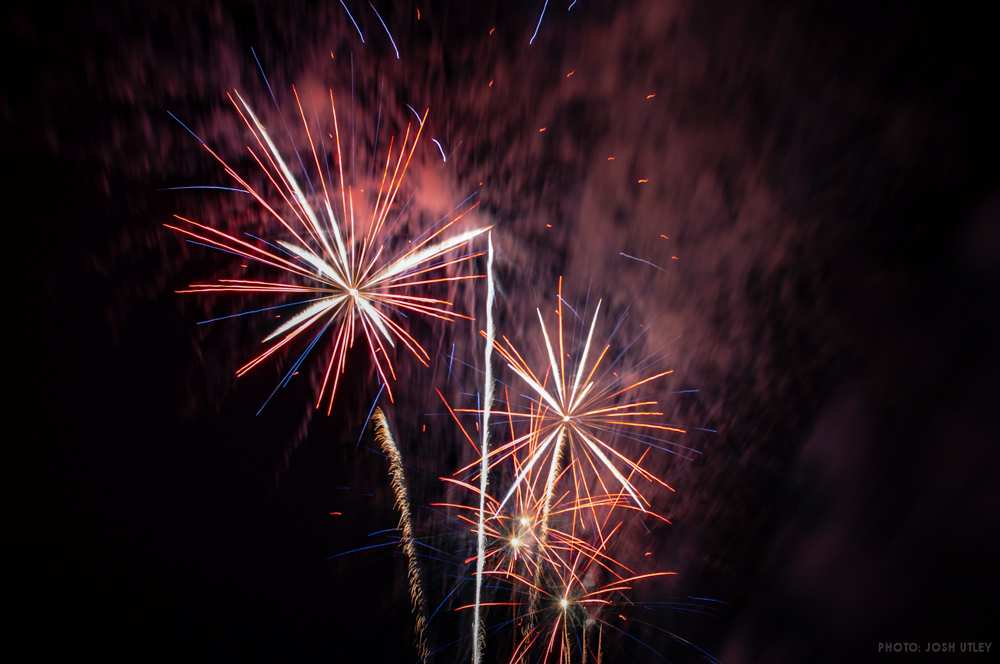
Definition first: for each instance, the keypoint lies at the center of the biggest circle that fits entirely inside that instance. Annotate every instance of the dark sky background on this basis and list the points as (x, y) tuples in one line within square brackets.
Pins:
[(826, 173)]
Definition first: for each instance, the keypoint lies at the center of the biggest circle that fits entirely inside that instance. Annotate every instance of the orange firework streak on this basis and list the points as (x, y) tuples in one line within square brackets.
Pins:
[(354, 289)]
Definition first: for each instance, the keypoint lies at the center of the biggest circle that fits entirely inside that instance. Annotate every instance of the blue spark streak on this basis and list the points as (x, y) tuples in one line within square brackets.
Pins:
[(257, 311), (540, 17), (458, 585), (641, 260), (296, 257), (295, 366), (206, 186), (359, 549), (353, 21), (561, 299), (260, 68), (386, 27), (370, 411), (187, 128), (202, 244), (440, 149), (415, 114), (707, 599)]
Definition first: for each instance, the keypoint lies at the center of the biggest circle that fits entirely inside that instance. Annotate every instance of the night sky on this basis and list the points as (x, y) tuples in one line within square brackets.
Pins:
[(812, 191)]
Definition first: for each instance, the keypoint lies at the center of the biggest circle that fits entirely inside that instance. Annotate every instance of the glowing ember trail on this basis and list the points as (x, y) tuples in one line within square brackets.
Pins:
[(419, 605)]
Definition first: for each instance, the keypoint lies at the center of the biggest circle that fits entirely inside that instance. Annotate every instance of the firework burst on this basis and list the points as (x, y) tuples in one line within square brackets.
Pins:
[(353, 284), (553, 584), (574, 412), (551, 543), (570, 414), (517, 543)]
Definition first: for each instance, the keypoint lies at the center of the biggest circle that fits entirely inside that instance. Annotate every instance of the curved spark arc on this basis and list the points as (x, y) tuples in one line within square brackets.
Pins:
[(359, 289)]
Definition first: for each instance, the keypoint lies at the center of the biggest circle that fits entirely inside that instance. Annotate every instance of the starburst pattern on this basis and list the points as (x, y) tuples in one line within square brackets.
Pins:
[(355, 286), (576, 411)]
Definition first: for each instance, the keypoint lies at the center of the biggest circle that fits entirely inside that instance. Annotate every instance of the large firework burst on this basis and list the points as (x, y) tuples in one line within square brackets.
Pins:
[(353, 287)]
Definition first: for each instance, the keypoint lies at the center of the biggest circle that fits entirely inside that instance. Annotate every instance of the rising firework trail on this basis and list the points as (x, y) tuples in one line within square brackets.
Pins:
[(350, 282), (399, 489), (477, 628)]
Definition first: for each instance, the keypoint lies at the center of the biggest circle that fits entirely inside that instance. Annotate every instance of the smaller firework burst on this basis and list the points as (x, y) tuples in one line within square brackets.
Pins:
[(562, 589), (551, 555), (552, 543), (576, 411), (521, 535)]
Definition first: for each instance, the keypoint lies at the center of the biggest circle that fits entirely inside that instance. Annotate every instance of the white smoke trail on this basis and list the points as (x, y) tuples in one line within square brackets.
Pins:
[(478, 632)]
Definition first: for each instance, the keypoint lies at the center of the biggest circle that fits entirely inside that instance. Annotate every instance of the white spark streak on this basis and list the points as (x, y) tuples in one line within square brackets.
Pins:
[(477, 630)]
